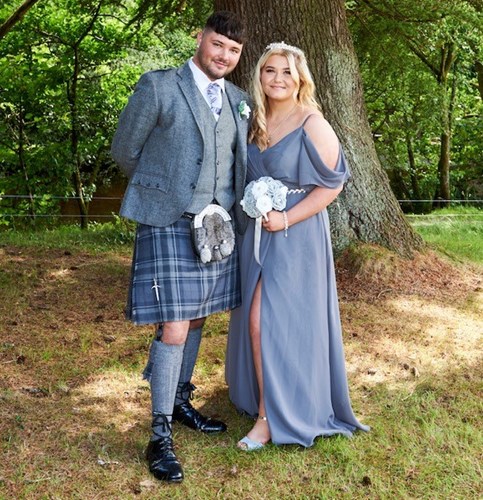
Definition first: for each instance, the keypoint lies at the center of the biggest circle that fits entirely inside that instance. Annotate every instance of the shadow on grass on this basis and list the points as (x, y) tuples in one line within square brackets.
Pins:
[(75, 413)]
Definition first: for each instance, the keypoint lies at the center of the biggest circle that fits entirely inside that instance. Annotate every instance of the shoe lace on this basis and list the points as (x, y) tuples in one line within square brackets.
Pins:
[(160, 420), (185, 391)]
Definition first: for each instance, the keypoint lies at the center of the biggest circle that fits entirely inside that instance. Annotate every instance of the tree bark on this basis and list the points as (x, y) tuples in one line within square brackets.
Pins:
[(74, 141), (16, 17), (367, 210), (21, 159), (448, 57)]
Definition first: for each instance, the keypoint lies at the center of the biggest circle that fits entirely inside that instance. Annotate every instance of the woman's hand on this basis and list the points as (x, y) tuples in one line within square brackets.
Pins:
[(318, 199), (274, 221)]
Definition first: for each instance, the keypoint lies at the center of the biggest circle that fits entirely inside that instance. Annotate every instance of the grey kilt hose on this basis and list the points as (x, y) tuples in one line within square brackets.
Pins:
[(170, 283)]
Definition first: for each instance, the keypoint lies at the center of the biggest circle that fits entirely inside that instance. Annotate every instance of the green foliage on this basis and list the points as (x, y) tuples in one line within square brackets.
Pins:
[(65, 73), (67, 69), (402, 47)]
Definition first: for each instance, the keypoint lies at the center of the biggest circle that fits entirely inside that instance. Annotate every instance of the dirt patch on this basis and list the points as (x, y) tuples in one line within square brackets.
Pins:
[(70, 364), (407, 319), (369, 273)]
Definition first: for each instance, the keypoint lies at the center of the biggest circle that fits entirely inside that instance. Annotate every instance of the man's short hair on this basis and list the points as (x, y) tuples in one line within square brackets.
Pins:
[(228, 24)]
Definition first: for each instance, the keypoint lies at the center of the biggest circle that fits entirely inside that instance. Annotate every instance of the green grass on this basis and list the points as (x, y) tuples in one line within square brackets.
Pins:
[(66, 341), (457, 232), (117, 235), (423, 445)]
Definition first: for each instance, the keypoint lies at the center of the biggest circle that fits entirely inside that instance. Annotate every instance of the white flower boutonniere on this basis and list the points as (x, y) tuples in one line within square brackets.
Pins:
[(244, 110)]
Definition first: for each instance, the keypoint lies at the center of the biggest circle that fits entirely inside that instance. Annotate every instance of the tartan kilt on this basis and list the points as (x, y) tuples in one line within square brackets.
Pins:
[(164, 262)]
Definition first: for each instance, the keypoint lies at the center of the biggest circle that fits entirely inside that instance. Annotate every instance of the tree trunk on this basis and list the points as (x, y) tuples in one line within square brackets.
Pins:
[(448, 57), (74, 142), (367, 210), (443, 194), (16, 17), (416, 193), (74, 118), (21, 159)]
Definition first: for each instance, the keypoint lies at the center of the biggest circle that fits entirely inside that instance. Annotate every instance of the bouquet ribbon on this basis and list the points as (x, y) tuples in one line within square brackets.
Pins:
[(257, 239)]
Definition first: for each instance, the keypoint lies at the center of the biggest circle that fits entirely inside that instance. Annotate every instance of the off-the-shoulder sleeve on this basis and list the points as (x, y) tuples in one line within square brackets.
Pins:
[(312, 171)]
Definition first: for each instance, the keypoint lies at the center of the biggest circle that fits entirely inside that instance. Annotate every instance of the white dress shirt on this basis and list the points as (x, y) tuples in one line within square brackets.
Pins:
[(202, 82)]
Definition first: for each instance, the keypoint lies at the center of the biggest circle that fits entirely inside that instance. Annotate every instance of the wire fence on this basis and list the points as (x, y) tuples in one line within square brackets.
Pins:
[(118, 199)]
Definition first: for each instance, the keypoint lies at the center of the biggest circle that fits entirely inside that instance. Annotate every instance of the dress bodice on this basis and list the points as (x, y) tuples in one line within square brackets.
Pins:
[(295, 161)]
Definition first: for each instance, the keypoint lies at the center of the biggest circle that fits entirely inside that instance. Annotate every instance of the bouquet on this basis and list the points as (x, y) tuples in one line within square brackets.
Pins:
[(263, 195)]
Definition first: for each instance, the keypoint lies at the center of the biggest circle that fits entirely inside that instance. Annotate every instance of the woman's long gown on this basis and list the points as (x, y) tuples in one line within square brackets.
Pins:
[(306, 393)]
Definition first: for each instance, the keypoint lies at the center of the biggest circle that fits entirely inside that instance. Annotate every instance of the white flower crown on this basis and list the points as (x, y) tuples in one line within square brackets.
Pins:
[(284, 46)]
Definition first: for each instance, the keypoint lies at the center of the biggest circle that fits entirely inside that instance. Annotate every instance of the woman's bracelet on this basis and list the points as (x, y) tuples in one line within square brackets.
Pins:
[(285, 222)]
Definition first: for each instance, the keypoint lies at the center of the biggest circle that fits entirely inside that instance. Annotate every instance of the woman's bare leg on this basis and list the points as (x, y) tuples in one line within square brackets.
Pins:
[(260, 431)]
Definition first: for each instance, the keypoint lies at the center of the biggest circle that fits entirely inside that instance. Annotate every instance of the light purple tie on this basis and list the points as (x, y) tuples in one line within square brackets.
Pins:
[(214, 96)]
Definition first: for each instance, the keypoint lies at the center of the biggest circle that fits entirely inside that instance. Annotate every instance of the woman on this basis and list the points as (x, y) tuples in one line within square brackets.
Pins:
[(285, 360)]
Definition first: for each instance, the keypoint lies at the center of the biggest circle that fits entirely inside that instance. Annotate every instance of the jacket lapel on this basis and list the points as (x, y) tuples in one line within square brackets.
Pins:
[(235, 97), (188, 88)]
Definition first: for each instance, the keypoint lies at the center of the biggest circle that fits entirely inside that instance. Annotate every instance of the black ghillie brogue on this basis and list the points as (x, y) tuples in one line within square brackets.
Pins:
[(185, 414), (160, 455)]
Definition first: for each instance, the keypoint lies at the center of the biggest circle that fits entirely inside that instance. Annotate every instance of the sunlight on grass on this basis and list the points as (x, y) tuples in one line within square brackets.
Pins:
[(430, 339), (75, 412), (114, 397), (457, 231)]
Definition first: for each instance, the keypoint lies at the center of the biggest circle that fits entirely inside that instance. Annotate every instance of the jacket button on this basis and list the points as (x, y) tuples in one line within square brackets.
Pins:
[(157, 185), (193, 186)]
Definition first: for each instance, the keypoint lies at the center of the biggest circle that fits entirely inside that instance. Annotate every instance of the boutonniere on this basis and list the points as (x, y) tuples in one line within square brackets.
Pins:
[(244, 110)]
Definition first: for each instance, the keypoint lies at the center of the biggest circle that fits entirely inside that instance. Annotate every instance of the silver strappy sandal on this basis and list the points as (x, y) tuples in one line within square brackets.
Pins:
[(247, 444)]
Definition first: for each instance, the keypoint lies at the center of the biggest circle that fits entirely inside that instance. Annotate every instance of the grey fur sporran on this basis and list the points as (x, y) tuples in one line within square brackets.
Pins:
[(212, 233)]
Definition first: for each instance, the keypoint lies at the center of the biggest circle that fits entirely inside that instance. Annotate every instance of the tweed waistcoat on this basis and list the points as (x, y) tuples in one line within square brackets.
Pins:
[(215, 181)]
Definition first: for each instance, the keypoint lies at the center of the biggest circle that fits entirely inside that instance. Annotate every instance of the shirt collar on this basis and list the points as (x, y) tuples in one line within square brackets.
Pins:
[(201, 80)]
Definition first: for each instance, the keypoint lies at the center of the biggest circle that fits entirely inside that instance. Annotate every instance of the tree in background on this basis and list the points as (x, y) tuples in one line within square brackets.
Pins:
[(67, 69), (16, 17), (65, 72), (420, 67), (368, 210)]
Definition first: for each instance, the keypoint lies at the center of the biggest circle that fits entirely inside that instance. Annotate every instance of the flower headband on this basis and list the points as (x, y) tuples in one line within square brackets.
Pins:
[(284, 46)]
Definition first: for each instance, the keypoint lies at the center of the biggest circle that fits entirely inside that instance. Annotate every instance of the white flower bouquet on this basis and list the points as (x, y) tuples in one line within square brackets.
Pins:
[(263, 195)]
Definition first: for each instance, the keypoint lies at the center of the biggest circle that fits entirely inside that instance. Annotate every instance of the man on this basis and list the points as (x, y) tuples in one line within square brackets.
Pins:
[(182, 143)]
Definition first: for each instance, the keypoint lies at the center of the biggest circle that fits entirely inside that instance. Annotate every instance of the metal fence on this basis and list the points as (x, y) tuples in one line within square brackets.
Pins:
[(113, 214)]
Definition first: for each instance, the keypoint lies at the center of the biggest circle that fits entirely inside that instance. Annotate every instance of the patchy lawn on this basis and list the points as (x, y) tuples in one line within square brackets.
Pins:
[(75, 413)]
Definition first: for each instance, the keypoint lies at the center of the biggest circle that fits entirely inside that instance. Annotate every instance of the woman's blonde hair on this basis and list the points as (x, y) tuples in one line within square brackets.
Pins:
[(304, 93)]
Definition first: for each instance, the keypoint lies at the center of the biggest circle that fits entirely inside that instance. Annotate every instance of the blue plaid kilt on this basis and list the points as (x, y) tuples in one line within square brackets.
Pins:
[(170, 283)]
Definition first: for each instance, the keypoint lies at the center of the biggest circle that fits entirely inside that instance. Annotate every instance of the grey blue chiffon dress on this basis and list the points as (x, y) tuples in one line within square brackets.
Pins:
[(306, 391)]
